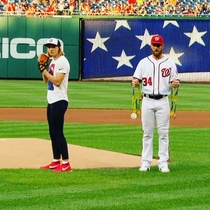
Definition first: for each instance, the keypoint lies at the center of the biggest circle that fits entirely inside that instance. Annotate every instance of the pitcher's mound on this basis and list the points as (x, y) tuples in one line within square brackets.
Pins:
[(33, 153)]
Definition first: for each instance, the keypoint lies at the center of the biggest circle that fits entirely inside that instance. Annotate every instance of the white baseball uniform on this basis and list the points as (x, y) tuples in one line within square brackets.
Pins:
[(155, 76)]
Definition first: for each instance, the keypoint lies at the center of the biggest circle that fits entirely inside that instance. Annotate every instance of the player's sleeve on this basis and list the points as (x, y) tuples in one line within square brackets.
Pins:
[(63, 66), (138, 73), (174, 72), (62, 69)]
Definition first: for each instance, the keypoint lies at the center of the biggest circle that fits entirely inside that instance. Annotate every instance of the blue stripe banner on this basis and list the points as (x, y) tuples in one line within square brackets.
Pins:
[(113, 48)]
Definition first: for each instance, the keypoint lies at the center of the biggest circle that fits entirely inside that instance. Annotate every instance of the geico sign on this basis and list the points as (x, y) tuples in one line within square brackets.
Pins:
[(10, 48)]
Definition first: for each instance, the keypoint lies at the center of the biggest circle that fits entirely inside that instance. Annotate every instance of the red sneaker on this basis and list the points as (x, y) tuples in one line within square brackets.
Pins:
[(52, 165), (63, 168)]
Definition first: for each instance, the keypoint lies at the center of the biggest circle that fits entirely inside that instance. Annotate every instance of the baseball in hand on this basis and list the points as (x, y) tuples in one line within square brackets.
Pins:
[(133, 116)]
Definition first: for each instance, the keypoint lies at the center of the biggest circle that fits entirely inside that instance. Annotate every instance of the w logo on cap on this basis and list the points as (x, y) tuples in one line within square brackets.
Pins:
[(53, 41), (157, 39)]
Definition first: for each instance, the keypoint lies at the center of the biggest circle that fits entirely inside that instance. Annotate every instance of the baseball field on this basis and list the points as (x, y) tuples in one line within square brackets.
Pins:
[(105, 147)]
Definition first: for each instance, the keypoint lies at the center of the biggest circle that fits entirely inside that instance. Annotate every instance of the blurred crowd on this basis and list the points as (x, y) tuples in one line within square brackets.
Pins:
[(37, 8), (147, 7)]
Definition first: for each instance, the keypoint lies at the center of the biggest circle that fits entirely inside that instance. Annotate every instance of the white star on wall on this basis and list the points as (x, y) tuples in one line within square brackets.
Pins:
[(123, 23), (146, 39), (167, 22), (174, 56), (98, 42), (195, 36), (124, 60)]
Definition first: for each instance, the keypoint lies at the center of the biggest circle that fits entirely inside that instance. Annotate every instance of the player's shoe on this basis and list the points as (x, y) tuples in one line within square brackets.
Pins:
[(164, 169), (52, 165), (63, 168), (144, 168)]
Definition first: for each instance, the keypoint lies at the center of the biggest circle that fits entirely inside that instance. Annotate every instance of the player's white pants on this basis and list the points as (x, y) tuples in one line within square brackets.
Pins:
[(155, 112)]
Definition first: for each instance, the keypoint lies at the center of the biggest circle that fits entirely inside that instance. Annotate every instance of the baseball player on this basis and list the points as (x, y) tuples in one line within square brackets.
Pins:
[(56, 76), (157, 74)]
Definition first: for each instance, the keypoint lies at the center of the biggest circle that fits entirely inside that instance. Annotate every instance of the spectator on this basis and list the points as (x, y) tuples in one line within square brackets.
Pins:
[(96, 11), (4, 1), (124, 8), (60, 7), (143, 11), (201, 6), (85, 7), (172, 2), (174, 11), (180, 8), (159, 10), (108, 8), (166, 8), (72, 4), (153, 3), (208, 10), (31, 11), (145, 3), (139, 2), (204, 7), (24, 7), (187, 10), (37, 12), (196, 10), (131, 2), (130, 10), (115, 10), (18, 9), (51, 9), (103, 9), (10, 8)]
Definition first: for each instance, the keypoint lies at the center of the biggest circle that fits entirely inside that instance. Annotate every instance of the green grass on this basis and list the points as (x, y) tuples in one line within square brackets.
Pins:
[(105, 189), (187, 187), (92, 95), (119, 138), (184, 188)]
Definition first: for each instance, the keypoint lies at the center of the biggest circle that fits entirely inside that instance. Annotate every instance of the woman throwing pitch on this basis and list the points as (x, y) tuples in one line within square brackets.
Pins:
[(56, 75)]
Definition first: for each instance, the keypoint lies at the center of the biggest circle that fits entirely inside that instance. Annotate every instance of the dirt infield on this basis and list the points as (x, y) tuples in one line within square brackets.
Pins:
[(81, 157), (184, 118), (32, 153)]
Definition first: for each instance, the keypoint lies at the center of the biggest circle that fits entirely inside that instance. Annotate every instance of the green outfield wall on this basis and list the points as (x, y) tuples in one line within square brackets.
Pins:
[(22, 39)]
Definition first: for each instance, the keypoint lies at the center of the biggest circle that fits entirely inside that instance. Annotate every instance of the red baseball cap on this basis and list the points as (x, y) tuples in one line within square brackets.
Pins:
[(157, 39)]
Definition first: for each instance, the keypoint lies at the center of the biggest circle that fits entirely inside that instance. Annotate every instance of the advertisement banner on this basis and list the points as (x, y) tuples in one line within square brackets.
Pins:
[(22, 40)]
